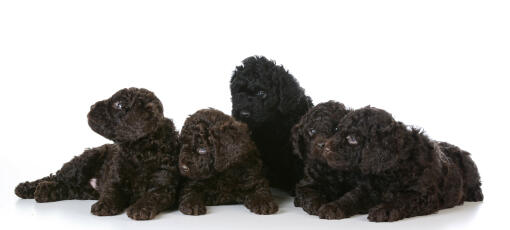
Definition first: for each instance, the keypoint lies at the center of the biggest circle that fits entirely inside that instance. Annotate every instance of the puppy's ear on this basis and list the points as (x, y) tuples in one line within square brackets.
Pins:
[(233, 144), (291, 95), (298, 145), (381, 150)]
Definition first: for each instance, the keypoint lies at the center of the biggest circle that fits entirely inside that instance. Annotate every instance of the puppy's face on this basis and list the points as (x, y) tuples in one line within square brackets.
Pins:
[(128, 115), (318, 124), (261, 91), (367, 140), (211, 143)]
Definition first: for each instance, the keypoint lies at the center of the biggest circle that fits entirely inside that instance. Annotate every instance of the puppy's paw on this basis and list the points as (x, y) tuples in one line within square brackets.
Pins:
[(105, 208), (310, 206), (138, 212), (331, 211), (47, 191), (262, 205), (25, 190), (189, 207), (384, 214)]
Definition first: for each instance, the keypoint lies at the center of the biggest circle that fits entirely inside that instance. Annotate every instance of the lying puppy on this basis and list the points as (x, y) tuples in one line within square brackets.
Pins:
[(138, 171), (319, 122), (270, 101), (377, 165), (222, 165)]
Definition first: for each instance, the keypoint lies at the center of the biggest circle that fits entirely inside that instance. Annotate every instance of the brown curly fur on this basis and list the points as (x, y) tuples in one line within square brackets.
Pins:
[(222, 165), (376, 165), (138, 171)]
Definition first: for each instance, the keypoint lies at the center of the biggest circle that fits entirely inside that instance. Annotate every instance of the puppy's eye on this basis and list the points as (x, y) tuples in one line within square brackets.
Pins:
[(351, 140), (312, 132), (335, 129), (118, 105), (261, 94), (202, 150)]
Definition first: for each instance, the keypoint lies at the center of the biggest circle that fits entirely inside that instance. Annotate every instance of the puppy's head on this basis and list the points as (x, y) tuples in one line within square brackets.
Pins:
[(262, 91), (318, 124), (368, 139), (211, 143), (128, 115)]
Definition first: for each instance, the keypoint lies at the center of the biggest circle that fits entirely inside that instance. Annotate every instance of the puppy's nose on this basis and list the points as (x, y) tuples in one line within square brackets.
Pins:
[(321, 144), (244, 113)]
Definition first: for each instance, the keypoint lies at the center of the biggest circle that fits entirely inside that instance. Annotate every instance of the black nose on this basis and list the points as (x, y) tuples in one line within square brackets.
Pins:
[(244, 113), (321, 144)]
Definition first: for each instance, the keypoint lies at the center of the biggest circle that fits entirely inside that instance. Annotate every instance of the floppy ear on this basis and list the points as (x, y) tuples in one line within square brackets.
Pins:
[(381, 149), (233, 144), (290, 94), (298, 145)]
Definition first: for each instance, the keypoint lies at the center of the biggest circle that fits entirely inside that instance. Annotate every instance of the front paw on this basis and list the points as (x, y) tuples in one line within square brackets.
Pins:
[(105, 208), (331, 211), (189, 207), (384, 214), (310, 206), (137, 212), (262, 206)]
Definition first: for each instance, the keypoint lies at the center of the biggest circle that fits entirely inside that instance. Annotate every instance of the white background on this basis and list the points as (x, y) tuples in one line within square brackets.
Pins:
[(441, 65)]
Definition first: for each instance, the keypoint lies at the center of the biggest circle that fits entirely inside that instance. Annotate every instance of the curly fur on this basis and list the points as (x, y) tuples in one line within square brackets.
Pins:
[(376, 165), (138, 171), (270, 101), (221, 165)]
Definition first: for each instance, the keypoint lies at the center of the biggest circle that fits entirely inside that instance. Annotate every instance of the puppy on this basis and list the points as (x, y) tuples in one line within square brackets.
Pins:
[(221, 165), (377, 165), (271, 102), (139, 171), (320, 122)]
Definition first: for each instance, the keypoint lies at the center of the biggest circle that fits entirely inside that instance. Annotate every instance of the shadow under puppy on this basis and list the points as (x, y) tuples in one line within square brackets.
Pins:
[(389, 170), (138, 171), (221, 165), (269, 99)]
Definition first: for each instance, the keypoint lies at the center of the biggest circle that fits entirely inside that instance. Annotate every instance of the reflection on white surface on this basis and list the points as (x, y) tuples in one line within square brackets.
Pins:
[(76, 214)]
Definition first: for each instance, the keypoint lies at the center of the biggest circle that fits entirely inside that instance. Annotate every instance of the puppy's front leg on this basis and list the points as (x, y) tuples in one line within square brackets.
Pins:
[(261, 201), (160, 197), (353, 202), (308, 196), (112, 200), (192, 199), (403, 205)]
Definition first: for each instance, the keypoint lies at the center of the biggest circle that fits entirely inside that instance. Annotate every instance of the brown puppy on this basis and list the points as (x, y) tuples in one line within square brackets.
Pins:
[(372, 163), (222, 165), (139, 170)]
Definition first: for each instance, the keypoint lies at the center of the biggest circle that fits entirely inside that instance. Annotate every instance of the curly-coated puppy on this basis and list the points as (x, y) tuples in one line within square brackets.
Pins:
[(222, 165), (320, 122), (139, 171), (375, 164), (271, 102)]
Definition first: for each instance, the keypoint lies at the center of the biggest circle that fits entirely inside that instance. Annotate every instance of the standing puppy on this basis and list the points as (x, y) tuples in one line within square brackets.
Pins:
[(222, 165), (138, 171), (270, 101), (380, 166)]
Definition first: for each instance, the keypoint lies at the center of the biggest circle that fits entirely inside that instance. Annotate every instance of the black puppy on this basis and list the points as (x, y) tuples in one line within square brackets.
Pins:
[(377, 165), (270, 101), (222, 165), (139, 170)]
